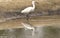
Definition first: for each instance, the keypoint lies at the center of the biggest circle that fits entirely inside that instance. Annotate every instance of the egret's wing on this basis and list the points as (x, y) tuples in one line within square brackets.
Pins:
[(26, 10)]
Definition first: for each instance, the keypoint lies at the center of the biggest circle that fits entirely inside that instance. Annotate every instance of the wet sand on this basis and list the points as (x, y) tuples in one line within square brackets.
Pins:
[(35, 21)]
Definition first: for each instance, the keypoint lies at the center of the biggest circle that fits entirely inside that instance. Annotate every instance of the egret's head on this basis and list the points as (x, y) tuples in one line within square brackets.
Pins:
[(33, 2)]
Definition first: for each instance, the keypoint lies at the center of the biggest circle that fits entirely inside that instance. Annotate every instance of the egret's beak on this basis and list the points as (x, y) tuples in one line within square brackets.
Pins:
[(37, 2)]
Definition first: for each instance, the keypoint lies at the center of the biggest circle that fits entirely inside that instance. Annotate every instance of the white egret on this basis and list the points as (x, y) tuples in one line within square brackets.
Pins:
[(29, 9), (28, 26)]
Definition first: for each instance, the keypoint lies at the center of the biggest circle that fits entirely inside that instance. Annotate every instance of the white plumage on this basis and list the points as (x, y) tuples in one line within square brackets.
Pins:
[(29, 26), (29, 9)]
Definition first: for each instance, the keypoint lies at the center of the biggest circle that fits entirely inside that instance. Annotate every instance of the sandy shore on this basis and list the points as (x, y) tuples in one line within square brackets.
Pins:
[(35, 21)]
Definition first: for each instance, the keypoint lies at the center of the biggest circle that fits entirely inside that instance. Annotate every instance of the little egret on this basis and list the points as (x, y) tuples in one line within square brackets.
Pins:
[(28, 26), (29, 9)]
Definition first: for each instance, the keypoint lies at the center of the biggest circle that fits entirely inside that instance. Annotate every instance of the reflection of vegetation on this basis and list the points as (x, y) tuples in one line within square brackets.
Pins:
[(2, 32), (51, 30)]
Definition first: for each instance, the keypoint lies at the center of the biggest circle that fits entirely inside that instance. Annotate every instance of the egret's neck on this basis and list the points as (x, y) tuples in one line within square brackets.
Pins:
[(33, 5)]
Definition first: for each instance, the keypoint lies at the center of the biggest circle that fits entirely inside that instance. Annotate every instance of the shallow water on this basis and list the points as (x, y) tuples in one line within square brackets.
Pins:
[(40, 32)]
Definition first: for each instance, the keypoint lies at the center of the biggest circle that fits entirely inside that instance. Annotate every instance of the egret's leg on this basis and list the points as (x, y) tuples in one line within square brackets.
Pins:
[(27, 16)]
